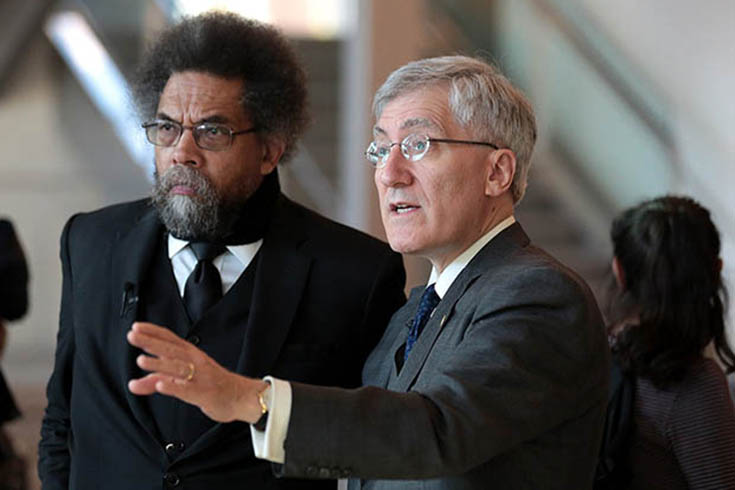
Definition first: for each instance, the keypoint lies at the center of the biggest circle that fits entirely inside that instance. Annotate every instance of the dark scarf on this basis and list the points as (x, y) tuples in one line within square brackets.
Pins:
[(255, 215), (251, 221)]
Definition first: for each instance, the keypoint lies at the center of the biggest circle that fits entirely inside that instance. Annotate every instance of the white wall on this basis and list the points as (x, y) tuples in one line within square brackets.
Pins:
[(58, 157), (687, 50)]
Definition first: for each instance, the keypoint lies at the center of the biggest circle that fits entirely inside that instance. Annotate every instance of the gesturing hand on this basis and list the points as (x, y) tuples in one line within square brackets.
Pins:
[(179, 369)]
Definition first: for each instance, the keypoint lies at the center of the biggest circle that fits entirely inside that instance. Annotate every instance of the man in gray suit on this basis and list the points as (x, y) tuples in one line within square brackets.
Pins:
[(492, 376)]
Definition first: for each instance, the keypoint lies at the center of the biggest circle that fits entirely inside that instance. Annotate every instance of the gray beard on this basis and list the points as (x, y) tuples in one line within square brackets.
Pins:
[(198, 217)]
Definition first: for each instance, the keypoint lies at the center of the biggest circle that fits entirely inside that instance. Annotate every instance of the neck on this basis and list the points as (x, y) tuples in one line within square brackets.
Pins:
[(494, 217)]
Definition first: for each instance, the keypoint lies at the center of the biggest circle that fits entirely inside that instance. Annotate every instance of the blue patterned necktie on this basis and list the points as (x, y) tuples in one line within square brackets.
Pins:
[(428, 302)]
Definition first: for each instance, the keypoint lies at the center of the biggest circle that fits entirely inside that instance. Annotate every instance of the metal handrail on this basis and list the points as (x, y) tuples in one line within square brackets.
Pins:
[(477, 33), (608, 69)]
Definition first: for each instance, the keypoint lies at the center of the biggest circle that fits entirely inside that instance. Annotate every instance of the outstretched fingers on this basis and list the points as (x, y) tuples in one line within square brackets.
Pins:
[(145, 385), (157, 345), (176, 368), (179, 389)]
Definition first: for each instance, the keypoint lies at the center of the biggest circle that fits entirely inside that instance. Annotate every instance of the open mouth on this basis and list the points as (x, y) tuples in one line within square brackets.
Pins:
[(403, 208)]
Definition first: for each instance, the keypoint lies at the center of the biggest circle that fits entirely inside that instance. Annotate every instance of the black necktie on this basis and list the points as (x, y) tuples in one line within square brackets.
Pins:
[(428, 302), (204, 286)]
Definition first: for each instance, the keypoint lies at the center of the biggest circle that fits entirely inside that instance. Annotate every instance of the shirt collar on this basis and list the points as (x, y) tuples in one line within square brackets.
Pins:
[(244, 252), (175, 245), (444, 280)]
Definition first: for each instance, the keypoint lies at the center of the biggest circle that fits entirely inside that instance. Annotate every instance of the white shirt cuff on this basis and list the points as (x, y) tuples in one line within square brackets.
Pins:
[(268, 444)]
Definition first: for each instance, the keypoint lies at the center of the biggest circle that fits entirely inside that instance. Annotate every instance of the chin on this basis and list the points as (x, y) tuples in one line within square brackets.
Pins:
[(403, 245), (183, 207)]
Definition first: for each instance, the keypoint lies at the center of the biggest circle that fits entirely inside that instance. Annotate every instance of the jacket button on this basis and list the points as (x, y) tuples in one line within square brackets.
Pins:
[(171, 479), (194, 339), (311, 471), (174, 447)]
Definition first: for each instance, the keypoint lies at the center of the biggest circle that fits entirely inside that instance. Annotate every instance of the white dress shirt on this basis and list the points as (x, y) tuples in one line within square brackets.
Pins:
[(230, 264), (268, 444)]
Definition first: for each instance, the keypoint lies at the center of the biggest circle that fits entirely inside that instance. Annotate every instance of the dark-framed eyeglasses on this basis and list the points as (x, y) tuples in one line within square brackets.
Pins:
[(413, 148), (207, 136)]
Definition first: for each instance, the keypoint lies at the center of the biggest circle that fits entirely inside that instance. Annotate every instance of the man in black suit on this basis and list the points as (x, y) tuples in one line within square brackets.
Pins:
[(220, 257), (494, 375)]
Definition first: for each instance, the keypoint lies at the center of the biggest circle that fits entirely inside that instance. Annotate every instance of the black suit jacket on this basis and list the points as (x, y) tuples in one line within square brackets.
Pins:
[(505, 388), (323, 295)]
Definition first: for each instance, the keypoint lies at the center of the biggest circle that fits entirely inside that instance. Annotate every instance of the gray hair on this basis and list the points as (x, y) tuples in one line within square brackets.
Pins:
[(481, 99)]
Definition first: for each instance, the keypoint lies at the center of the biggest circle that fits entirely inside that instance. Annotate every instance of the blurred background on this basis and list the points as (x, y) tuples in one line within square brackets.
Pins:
[(633, 99)]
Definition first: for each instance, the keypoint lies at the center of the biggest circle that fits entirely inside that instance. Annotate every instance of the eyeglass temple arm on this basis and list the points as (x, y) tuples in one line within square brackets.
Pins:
[(465, 142), (249, 130)]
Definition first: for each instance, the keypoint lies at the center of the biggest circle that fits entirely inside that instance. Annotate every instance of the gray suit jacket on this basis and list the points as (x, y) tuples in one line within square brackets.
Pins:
[(505, 388)]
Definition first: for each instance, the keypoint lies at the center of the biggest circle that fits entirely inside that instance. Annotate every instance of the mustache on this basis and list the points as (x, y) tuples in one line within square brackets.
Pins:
[(182, 175), (187, 216), (397, 194)]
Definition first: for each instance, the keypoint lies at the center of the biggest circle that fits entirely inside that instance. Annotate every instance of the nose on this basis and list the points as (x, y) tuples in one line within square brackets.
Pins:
[(397, 170), (186, 151)]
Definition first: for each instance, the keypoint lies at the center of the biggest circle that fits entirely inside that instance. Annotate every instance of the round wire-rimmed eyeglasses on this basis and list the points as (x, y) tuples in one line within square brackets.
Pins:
[(413, 148)]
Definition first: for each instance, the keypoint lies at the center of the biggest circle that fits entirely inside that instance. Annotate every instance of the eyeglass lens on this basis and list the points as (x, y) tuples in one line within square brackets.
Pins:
[(413, 148), (209, 136)]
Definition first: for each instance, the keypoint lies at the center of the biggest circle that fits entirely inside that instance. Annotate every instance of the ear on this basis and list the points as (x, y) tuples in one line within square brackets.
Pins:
[(501, 170), (618, 272), (273, 149)]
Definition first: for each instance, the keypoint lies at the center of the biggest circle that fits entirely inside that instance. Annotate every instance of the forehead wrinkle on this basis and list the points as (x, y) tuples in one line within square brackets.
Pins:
[(201, 100)]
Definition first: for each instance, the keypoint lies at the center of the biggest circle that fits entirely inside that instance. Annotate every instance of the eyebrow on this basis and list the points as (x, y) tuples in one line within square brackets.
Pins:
[(163, 115), (418, 122), (414, 122), (215, 118)]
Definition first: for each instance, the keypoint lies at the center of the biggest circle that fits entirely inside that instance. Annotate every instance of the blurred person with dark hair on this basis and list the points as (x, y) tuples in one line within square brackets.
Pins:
[(13, 302), (13, 305), (668, 308), (219, 256), (13, 275)]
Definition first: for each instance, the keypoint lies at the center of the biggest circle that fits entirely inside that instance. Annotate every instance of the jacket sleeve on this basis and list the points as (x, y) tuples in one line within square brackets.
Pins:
[(13, 275), (519, 366), (54, 451)]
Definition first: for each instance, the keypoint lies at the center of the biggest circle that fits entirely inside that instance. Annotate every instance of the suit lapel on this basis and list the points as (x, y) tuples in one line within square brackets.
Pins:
[(280, 280), (438, 320), (380, 367), (496, 251), (131, 258), (399, 340)]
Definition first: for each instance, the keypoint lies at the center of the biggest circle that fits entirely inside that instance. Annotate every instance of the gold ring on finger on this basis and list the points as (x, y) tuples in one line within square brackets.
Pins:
[(192, 370)]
